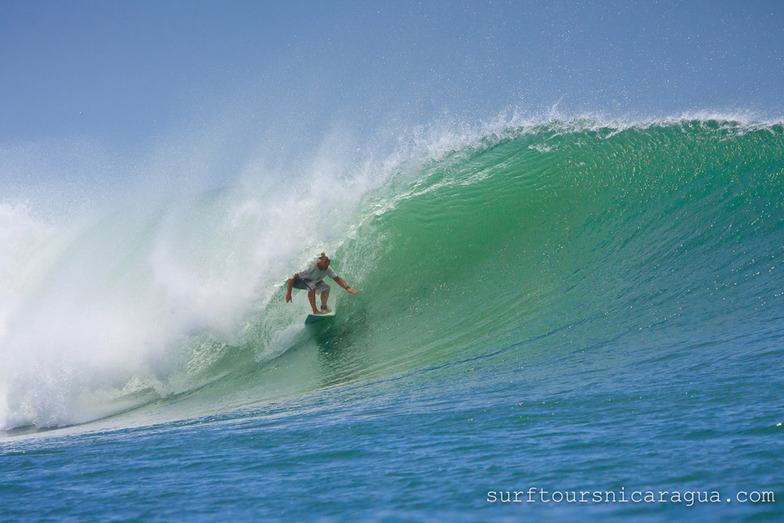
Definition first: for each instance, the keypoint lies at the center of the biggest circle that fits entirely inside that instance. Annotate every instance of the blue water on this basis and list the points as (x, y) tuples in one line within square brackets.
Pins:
[(554, 311)]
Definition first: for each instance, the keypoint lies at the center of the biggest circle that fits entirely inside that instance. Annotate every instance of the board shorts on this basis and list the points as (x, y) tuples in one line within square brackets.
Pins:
[(307, 285)]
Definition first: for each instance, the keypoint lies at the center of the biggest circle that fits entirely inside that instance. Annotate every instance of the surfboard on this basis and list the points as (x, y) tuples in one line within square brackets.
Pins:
[(315, 318)]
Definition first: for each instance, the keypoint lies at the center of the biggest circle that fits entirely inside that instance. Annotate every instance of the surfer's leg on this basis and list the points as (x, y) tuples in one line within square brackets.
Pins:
[(323, 288), (311, 287), (324, 298), (312, 300)]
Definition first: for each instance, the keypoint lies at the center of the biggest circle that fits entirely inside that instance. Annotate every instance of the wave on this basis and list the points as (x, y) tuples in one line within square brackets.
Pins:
[(535, 238)]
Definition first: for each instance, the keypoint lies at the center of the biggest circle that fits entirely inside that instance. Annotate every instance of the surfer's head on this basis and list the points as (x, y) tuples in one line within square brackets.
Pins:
[(323, 262)]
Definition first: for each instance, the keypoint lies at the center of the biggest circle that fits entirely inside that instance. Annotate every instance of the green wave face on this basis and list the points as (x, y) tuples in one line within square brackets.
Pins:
[(563, 237)]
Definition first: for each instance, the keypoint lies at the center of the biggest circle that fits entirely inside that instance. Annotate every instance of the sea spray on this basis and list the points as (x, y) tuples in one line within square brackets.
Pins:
[(140, 300)]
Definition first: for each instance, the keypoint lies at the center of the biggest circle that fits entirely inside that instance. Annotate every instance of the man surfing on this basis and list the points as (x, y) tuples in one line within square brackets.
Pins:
[(312, 280)]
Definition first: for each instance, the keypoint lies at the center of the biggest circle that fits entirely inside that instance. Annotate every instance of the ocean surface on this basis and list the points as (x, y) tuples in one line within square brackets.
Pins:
[(560, 319)]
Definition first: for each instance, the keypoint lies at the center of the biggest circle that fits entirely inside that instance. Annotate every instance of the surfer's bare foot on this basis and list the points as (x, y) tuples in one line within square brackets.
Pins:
[(318, 312)]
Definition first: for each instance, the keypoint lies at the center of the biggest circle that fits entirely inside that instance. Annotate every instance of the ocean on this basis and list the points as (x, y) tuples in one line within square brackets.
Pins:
[(557, 319)]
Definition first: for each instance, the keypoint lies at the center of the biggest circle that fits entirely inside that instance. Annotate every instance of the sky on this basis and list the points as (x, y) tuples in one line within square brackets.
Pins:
[(128, 74)]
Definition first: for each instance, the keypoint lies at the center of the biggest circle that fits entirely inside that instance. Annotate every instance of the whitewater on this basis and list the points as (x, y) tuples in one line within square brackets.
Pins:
[(570, 304)]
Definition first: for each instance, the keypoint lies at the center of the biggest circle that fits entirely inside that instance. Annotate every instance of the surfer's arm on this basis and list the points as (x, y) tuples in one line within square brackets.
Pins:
[(340, 281), (289, 286)]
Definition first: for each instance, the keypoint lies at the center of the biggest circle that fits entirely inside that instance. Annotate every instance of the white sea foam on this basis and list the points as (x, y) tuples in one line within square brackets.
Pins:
[(111, 307)]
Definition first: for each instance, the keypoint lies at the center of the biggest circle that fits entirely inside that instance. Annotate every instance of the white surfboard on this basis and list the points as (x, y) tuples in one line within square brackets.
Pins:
[(315, 318)]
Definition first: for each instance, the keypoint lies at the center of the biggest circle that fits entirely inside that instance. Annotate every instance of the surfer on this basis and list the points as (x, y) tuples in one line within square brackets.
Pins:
[(312, 280)]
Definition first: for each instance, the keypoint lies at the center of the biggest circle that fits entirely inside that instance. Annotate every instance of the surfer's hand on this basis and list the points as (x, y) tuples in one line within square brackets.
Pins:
[(349, 290), (288, 297)]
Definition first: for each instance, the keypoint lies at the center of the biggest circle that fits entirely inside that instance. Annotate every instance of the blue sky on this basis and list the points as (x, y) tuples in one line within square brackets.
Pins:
[(128, 72)]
